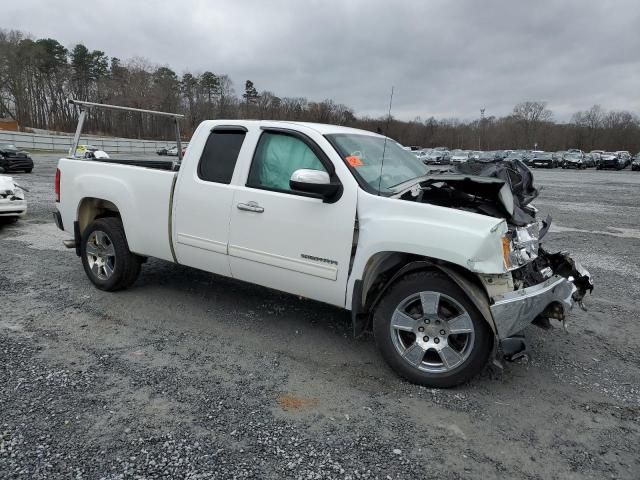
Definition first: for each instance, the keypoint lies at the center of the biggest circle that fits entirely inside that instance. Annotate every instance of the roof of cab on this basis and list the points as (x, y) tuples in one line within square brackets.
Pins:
[(321, 128)]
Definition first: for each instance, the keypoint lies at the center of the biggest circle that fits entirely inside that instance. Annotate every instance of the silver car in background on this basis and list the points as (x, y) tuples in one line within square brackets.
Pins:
[(459, 156)]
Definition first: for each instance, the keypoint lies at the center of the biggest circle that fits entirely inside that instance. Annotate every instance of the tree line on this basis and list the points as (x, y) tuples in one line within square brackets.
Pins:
[(37, 76)]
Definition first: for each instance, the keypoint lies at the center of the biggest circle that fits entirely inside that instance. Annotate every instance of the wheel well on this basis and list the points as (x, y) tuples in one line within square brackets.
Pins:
[(384, 268), (93, 208)]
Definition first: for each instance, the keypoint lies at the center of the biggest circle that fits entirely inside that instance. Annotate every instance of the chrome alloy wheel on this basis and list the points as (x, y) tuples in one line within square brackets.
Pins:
[(101, 255), (432, 332)]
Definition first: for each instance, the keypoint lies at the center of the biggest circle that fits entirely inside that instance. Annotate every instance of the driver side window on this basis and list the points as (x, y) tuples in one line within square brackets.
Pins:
[(277, 156)]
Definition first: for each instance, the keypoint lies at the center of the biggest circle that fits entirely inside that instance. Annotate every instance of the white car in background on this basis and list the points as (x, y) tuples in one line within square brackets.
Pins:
[(422, 154), (459, 156), (173, 151), (13, 204)]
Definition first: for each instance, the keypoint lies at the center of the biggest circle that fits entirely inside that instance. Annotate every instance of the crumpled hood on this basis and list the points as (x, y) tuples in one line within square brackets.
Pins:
[(499, 188), (8, 186)]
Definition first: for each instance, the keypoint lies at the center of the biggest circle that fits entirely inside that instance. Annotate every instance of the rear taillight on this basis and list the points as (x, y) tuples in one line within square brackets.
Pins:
[(57, 185)]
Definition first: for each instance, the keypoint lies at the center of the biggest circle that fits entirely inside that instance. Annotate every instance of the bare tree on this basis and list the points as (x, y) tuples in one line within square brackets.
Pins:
[(531, 115)]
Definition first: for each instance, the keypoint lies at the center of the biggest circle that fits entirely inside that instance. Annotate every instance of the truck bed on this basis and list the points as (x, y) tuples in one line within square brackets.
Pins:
[(141, 191)]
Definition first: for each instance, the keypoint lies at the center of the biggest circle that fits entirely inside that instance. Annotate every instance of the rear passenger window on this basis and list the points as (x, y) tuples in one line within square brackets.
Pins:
[(220, 154)]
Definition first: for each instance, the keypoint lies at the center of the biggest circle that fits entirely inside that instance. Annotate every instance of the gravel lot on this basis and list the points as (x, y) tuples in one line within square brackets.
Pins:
[(189, 375)]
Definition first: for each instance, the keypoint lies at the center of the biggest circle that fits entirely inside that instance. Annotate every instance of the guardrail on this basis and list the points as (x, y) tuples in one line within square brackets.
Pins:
[(62, 142)]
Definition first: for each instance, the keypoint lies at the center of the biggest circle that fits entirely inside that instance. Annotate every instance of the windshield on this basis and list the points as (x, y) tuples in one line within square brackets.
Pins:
[(459, 153), (363, 153), (573, 156), (8, 146), (543, 156)]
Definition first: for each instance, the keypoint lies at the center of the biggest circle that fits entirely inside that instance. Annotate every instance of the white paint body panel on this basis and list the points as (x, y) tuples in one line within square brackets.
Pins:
[(298, 244), (391, 225), (141, 195)]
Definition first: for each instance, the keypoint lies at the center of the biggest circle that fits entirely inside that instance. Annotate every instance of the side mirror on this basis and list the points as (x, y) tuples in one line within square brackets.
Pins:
[(315, 182)]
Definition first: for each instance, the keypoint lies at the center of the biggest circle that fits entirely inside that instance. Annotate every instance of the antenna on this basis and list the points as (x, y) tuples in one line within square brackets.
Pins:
[(384, 147)]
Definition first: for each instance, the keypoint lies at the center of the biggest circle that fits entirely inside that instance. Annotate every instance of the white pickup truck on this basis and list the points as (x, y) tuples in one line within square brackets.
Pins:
[(446, 269)]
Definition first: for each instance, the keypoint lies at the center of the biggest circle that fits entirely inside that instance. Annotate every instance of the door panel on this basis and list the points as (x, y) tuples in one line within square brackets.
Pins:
[(201, 216), (296, 244), (285, 240), (202, 226)]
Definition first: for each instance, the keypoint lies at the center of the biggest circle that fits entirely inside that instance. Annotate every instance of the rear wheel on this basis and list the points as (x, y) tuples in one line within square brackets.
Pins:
[(429, 332), (106, 257)]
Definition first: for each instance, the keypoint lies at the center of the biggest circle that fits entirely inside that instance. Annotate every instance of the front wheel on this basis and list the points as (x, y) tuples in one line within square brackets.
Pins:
[(429, 332), (106, 257)]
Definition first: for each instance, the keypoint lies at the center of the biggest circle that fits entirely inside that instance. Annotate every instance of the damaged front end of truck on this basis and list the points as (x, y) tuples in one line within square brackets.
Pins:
[(536, 286), (13, 204)]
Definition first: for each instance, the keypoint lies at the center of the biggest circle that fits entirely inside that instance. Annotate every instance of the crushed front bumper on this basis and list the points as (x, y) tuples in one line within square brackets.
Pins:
[(513, 311), (16, 208)]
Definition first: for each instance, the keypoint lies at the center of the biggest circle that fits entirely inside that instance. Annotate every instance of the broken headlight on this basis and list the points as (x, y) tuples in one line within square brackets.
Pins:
[(520, 245)]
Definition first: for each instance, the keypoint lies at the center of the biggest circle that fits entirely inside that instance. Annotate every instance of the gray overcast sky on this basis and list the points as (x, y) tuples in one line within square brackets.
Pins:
[(445, 58)]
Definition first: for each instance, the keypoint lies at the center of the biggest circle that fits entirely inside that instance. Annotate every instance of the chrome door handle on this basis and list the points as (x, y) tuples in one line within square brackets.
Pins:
[(250, 207)]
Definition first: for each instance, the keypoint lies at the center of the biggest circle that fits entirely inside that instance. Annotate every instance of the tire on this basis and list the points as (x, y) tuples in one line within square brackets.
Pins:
[(417, 349), (106, 257), (28, 170)]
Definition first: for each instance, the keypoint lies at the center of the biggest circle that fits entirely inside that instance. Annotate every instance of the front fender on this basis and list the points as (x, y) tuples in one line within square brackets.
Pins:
[(469, 240)]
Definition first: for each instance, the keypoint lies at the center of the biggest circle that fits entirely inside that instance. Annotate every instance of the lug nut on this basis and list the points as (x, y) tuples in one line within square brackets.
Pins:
[(427, 321), (436, 340), (442, 332), (421, 329), (437, 322), (425, 338)]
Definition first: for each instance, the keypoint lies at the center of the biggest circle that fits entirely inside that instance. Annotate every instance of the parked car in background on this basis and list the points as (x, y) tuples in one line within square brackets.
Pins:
[(573, 160), (475, 154), (625, 157), (459, 156), (557, 157), (13, 204), (437, 157), (596, 155), (489, 156), (422, 154), (609, 160), (635, 165), (173, 151), (527, 156), (162, 151), (515, 155), (589, 160), (14, 160), (541, 160)]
